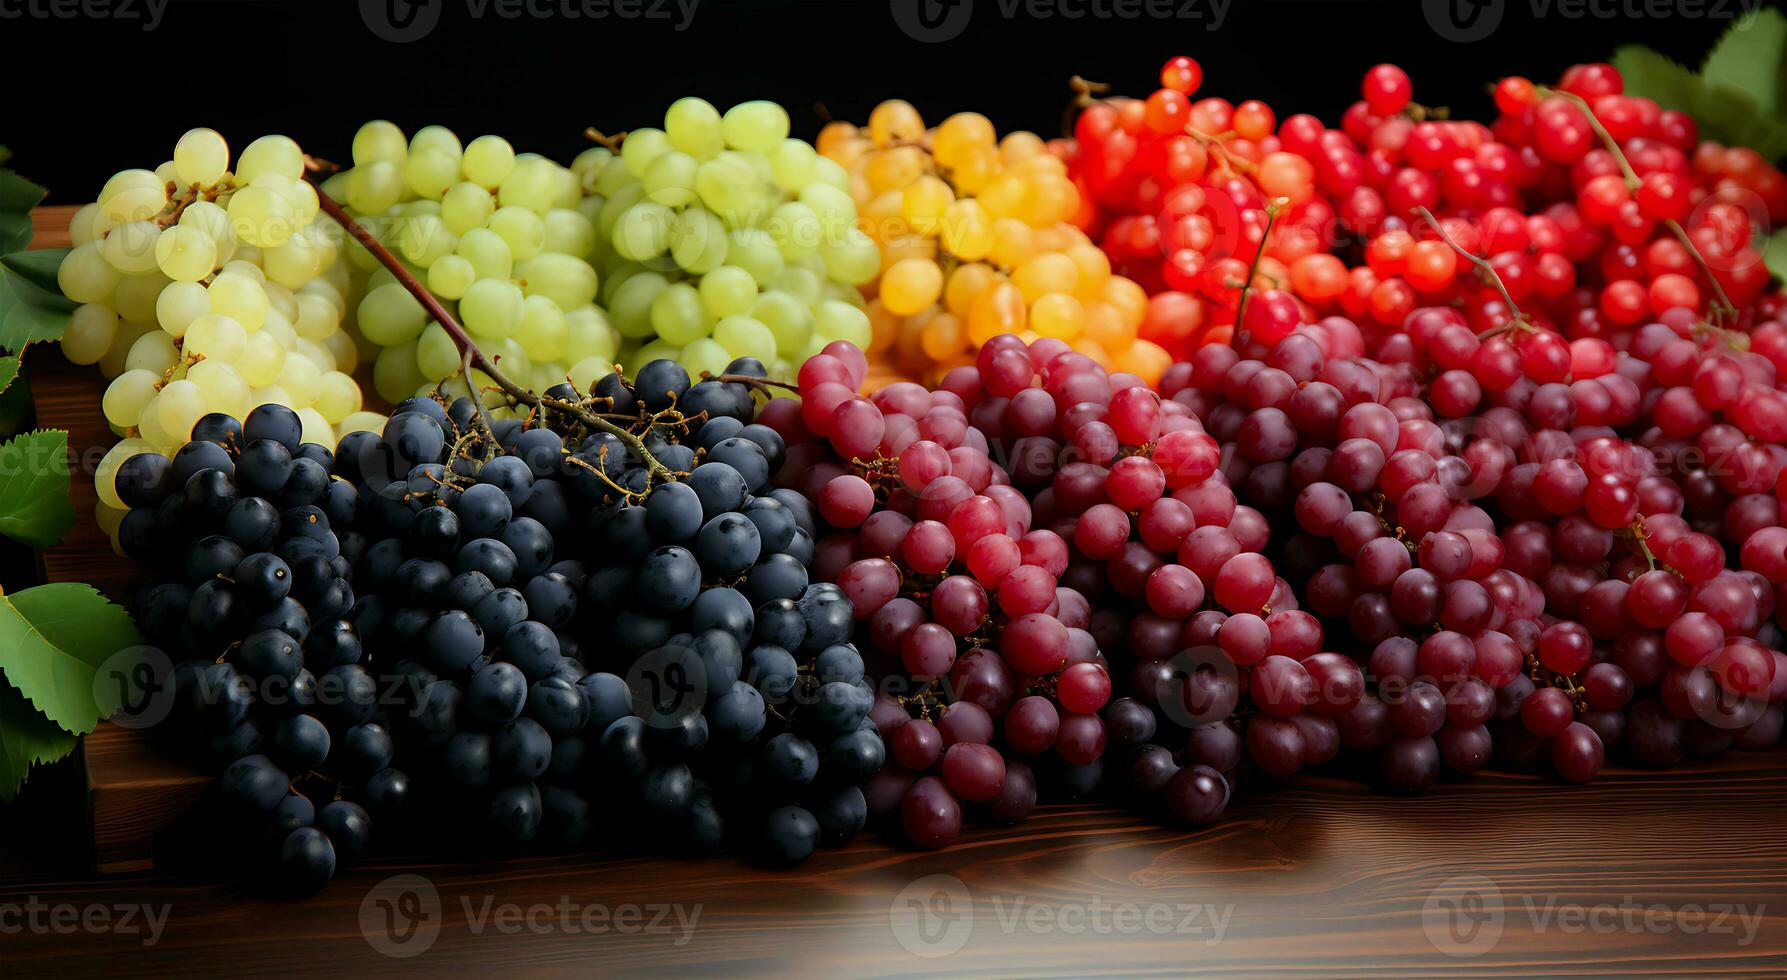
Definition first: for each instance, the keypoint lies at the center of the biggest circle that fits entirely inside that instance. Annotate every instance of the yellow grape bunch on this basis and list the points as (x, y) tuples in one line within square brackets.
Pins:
[(506, 240), (977, 239), (210, 284)]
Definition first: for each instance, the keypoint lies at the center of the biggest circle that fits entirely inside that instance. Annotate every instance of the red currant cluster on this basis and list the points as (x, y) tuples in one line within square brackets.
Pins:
[(1597, 210)]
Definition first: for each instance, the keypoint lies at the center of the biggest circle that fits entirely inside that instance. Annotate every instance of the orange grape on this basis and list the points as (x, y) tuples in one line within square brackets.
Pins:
[(895, 121), (910, 285)]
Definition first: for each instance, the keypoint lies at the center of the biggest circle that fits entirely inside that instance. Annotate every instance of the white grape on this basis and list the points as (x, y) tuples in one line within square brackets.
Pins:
[(133, 195), (294, 263), (180, 405), (241, 299), (487, 160), (438, 138), (640, 148), (424, 239), (215, 336), (569, 282), (492, 308), (677, 314), (214, 221), (153, 352), (430, 172), (84, 276), (361, 421), (394, 373), (337, 397), (301, 379), (698, 241), (379, 141), (375, 188), (523, 231), (185, 254), (262, 358), (111, 363), (465, 206), (588, 334), (450, 276), (201, 157), (756, 127), (569, 232), (727, 291), (643, 231), (437, 356), (246, 269), (136, 296), (280, 300), (269, 395), (315, 428), (262, 216), (280, 329), (532, 184), (670, 179), (343, 348), (127, 396), (130, 248), (390, 315), (180, 304), (316, 354), (223, 387), (89, 224), (542, 332), (90, 331), (704, 354), (488, 253), (692, 125), (270, 154)]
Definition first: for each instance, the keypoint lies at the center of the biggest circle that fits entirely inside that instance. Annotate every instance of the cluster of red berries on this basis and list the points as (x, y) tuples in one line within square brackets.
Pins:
[(1597, 210)]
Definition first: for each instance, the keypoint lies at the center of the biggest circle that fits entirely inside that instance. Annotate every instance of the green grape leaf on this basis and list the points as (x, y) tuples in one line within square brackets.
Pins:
[(27, 738), (1654, 76), (15, 230), (53, 640), (34, 504), (9, 369), (32, 306), (17, 197), (1747, 58), (38, 267), (1726, 114), (25, 323)]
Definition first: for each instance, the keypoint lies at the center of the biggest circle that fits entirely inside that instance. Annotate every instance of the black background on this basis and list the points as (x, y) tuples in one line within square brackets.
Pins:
[(107, 94)]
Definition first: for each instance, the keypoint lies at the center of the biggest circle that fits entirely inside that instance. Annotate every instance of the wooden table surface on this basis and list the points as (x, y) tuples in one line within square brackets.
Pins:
[(1677, 873)]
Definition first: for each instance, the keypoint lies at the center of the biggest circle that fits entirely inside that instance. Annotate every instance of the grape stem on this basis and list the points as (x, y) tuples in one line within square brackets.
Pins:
[(1494, 277), (613, 143), (473, 357), (748, 381), (471, 389), (1253, 268), (1722, 306)]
